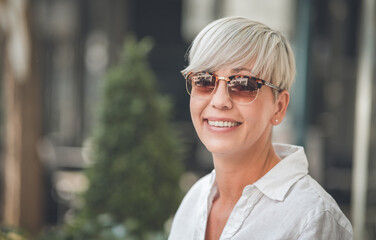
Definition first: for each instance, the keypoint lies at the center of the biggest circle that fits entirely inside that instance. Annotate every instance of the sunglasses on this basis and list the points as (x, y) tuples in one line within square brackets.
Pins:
[(241, 89)]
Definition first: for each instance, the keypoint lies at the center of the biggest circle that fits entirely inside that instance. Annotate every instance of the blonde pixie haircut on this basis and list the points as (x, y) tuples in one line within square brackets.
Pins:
[(234, 42)]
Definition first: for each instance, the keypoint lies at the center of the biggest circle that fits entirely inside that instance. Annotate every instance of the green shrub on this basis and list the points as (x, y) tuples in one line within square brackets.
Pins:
[(102, 227), (136, 150), (136, 155), (13, 233)]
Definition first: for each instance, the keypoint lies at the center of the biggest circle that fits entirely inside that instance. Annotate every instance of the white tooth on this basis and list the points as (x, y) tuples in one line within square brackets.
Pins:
[(222, 123)]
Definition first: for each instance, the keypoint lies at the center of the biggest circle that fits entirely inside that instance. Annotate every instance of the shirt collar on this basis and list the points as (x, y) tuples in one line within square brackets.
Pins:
[(293, 165), (277, 182)]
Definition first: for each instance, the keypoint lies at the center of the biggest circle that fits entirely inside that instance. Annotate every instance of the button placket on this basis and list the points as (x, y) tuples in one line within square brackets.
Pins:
[(241, 211)]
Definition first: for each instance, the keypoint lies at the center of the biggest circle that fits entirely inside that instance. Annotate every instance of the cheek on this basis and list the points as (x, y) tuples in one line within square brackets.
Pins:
[(257, 127), (196, 107), (258, 116), (265, 106)]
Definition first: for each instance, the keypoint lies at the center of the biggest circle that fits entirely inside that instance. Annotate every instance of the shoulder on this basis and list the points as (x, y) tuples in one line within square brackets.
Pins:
[(322, 214), (201, 185), (306, 212), (191, 210), (196, 192)]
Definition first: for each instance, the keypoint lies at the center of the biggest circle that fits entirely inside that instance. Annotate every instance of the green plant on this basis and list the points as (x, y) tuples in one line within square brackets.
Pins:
[(136, 156), (102, 227), (136, 151), (12, 233)]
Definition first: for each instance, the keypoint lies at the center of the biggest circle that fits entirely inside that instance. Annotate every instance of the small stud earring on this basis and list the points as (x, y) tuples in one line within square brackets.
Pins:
[(276, 120)]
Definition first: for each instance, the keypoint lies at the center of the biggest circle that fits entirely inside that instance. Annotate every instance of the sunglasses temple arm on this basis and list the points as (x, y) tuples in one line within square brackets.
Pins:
[(272, 86)]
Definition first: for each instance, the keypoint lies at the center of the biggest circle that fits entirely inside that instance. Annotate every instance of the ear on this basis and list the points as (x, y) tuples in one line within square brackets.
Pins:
[(280, 108)]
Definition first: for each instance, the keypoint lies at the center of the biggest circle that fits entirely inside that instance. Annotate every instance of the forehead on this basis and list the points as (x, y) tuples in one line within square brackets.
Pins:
[(240, 70), (242, 59), (232, 70)]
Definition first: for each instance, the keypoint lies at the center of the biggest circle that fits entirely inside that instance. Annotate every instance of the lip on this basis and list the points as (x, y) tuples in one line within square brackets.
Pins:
[(220, 129)]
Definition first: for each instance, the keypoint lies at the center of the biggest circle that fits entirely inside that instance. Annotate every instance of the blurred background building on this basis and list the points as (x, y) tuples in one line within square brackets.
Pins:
[(76, 41)]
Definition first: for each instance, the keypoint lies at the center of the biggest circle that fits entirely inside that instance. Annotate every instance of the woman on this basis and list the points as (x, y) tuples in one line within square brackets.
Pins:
[(239, 76)]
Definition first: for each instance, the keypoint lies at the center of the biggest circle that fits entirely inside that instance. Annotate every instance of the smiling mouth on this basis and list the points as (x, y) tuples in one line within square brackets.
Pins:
[(223, 123)]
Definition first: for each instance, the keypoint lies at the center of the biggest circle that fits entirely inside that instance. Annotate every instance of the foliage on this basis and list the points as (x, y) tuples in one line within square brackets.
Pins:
[(11, 233), (137, 157), (103, 227)]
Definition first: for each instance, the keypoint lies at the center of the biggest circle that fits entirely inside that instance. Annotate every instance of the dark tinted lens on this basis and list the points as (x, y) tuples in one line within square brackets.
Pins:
[(201, 84), (243, 89)]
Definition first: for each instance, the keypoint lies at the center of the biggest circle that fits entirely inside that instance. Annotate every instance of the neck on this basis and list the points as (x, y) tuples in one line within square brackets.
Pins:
[(235, 172)]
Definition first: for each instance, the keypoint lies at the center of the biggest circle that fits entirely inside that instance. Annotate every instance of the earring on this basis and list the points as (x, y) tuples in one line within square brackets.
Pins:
[(276, 120)]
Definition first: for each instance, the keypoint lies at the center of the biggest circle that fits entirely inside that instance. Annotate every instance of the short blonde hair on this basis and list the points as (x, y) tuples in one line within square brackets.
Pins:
[(237, 41)]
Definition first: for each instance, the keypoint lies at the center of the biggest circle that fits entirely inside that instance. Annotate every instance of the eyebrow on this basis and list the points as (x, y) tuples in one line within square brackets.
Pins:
[(237, 70)]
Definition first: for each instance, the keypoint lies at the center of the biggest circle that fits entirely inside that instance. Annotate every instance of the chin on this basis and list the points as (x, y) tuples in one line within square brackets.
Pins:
[(218, 148)]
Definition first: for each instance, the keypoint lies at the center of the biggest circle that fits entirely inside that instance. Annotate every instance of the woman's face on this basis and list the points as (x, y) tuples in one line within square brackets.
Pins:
[(226, 128)]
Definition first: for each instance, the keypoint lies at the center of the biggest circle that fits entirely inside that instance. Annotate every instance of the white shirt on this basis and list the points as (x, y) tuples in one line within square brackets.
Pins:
[(286, 203)]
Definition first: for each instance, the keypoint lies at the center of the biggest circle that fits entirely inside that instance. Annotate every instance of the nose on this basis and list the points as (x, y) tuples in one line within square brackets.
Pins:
[(221, 98)]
